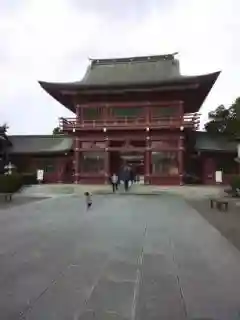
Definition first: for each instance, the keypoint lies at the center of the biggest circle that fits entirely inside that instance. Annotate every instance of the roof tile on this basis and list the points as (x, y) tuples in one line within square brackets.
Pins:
[(40, 144)]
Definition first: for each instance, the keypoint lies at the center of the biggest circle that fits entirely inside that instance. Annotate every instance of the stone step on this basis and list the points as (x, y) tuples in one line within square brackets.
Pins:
[(69, 189)]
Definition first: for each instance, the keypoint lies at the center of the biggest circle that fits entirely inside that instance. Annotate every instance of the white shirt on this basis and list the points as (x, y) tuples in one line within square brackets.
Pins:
[(114, 178)]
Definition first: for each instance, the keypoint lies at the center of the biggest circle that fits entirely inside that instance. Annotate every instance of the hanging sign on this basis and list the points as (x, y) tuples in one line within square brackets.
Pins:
[(40, 174), (218, 176)]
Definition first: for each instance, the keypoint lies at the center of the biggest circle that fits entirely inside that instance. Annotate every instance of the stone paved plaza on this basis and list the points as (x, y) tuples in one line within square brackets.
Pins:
[(134, 257)]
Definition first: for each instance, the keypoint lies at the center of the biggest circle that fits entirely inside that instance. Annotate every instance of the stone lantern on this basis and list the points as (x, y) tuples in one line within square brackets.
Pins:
[(9, 168)]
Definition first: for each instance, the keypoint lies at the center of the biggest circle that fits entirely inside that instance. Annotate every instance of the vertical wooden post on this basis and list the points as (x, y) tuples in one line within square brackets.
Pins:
[(147, 115), (105, 113), (180, 159), (147, 161), (181, 113), (78, 115), (106, 164), (147, 144), (77, 159)]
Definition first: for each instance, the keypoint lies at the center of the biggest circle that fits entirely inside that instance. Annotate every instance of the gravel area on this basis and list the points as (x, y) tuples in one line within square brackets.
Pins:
[(228, 223)]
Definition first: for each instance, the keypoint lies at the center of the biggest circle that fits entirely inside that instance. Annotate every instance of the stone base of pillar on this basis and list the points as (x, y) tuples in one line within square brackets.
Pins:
[(181, 180)]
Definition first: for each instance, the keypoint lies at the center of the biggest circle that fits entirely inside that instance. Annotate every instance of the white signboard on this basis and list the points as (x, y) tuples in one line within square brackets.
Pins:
[(40, 174), (218, 176), (239, 150)]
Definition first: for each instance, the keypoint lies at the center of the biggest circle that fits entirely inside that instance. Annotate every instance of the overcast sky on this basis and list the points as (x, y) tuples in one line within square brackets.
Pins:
[(51, 40)]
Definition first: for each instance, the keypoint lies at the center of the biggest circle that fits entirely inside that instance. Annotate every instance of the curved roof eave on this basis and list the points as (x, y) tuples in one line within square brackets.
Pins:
[(55, 88), (80, 85)]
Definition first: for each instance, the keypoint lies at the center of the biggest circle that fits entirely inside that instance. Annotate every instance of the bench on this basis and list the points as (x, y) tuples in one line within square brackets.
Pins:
[(233, 193), (7, 196), (220, 204)]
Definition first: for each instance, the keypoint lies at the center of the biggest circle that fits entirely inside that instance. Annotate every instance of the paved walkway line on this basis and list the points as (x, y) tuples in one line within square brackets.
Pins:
[(137, 281)]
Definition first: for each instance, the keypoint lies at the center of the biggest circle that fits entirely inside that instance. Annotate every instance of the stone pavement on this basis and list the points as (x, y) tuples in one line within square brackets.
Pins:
[(187, 191), (132, 257)]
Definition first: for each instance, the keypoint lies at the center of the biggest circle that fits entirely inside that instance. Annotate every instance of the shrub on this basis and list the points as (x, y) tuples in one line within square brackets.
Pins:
[(235, 184), (10, 183), (29, 179)]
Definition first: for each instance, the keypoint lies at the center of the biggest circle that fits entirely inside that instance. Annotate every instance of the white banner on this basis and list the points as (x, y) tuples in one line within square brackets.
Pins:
[(218, 176), (40, 174)]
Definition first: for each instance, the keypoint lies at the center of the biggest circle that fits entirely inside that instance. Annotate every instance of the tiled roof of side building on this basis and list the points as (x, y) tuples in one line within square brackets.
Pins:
[(214, 142), (38, 144)]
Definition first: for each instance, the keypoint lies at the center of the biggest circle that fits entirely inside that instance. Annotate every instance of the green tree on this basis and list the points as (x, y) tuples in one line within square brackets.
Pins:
[(4, 145), (3, 128), (225, 120), (56, 130)]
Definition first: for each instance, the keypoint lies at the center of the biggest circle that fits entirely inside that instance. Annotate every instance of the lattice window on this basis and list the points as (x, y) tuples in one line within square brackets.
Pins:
[(89, 113), (164, 111), (130, 112), (93, 162), (161, 144), (93, 144), (165, 163)]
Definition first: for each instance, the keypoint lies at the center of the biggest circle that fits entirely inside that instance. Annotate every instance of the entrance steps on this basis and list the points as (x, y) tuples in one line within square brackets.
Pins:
[(137, 189), (188, 192)]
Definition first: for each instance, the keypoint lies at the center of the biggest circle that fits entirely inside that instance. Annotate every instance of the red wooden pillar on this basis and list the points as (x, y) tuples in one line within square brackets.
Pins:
[(181, 113), (147, 161), (105, 113), (77, 159), (107, 164), (78, 114), (147, 114), (77, 145), (180, 159)]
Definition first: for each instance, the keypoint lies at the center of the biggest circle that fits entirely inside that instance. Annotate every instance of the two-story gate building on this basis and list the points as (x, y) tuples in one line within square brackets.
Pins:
[(137, 110)]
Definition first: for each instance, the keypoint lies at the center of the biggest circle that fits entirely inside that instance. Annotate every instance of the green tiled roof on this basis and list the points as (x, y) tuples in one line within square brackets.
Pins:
[(210, 142), (132, 70), (36, 144), (136, 71), (161, 72)]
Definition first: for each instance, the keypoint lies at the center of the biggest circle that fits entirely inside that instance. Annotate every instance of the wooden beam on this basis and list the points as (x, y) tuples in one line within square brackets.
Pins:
[(143, 103), (127, 149), (139, 137), (180, 87)]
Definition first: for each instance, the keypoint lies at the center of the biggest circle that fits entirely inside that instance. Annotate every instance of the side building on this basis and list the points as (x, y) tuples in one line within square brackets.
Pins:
[(138, 111), (54, 154)]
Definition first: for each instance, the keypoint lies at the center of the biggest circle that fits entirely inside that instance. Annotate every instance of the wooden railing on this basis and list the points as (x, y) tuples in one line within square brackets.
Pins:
[(187, 121)]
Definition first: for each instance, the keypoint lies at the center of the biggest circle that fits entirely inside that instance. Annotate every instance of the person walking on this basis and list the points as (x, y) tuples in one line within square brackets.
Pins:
[(126, 178), (114, 181), (88, 198)]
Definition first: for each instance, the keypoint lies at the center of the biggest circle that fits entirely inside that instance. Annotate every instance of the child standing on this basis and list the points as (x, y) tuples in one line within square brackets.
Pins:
[(114, 181), (88, 198)]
